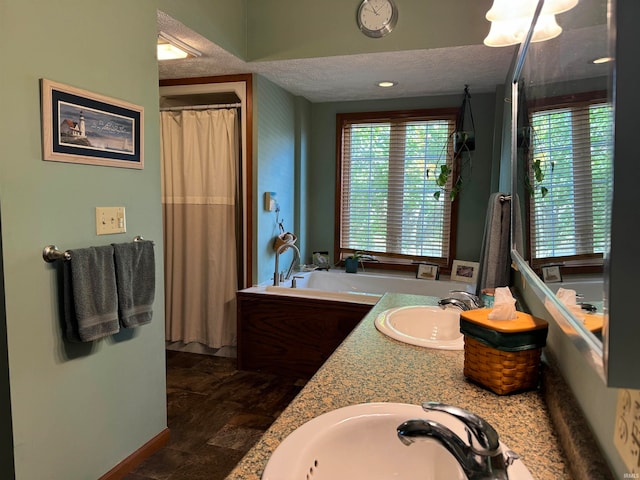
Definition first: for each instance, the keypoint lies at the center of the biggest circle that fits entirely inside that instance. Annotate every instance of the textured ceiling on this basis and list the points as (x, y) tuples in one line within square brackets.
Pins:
[(354, 77)]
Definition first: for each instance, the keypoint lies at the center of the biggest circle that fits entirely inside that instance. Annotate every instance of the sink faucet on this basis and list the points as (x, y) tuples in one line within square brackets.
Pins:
[(443, 302), (296, 256), (481, 459), (473, 300)]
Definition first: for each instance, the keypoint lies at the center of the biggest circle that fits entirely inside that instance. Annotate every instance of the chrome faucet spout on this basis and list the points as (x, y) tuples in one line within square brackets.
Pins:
[(296, 256), (481, 458), (455, 302), (473, 300)]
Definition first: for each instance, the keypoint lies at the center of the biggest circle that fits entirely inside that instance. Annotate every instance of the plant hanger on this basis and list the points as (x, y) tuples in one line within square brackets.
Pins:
[(463, 141)]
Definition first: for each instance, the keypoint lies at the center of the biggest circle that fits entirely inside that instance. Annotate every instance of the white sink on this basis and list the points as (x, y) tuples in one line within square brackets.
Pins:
[(424, 326), (361, 442)]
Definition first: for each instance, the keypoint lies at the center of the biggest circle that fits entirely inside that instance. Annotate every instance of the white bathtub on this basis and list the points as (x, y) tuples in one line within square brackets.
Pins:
[(359, 287), (588, 288)]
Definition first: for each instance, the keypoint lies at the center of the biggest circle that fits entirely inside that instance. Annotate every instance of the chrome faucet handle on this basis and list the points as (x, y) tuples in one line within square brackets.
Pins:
[(293, 281), (483, 438)]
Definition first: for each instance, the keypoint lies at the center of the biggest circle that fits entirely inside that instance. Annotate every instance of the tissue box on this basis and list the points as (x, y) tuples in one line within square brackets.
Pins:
[(502, 355)]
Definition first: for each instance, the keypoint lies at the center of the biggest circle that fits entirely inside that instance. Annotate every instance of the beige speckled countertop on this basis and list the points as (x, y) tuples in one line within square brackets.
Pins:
[(370, 367)]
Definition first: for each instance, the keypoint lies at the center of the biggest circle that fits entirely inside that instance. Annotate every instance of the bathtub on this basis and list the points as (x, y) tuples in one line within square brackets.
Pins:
[(292, 331), (588, 288), (360, 287)]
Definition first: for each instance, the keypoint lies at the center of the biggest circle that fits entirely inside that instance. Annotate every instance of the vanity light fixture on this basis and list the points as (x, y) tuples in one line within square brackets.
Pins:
[(170, 48), (387, 84), (510, 21)]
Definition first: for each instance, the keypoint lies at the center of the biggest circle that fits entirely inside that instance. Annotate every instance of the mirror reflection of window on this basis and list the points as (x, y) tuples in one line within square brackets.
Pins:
[(570, 167)]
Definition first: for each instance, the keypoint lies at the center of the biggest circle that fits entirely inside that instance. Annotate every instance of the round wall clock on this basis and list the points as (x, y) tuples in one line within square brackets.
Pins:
[(376, 18)]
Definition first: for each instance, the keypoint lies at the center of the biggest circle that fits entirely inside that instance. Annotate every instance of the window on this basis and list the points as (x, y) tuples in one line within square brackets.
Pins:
[(386, 184), (572, 145)]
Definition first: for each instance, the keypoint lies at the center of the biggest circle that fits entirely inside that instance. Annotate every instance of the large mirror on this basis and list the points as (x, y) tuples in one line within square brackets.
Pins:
[(561, 152)]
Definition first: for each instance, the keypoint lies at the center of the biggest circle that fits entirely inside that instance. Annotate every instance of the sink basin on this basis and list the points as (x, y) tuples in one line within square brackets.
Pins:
[(424, 326), (360, 442)]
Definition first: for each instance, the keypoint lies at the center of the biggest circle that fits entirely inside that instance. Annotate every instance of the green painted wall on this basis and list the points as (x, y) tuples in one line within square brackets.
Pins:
[(77, 409), (274, 171), (281, 29), (473, 198), (223, 21)]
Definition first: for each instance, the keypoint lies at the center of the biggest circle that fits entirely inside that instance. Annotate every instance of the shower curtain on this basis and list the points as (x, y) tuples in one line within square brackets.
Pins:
[(199, 156)]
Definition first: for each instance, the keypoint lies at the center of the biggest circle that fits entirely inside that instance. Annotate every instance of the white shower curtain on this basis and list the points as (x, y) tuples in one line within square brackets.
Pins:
[(199, 158)]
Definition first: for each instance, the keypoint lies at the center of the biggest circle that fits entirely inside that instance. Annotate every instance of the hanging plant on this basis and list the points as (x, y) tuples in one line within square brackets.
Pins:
[(463, 141)]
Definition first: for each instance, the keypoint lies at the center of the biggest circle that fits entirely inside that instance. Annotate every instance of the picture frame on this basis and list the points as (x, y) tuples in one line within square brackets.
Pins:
[(462, 271), (428, 272), (83, 127), (551, 274)]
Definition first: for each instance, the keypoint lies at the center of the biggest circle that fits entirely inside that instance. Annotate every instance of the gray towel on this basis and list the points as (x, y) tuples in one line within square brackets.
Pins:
[(89, 291), (495, 254), (136, 282)]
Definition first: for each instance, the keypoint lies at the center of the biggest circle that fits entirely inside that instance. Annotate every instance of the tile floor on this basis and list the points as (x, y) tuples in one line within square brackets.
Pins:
[(215, 415)]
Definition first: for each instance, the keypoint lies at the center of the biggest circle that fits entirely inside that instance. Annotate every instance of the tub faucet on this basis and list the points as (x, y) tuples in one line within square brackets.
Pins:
[(296, 256), (481, 459)]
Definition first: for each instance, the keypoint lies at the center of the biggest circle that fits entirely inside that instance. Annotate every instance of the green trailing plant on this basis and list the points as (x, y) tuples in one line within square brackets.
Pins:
[(463, 141)]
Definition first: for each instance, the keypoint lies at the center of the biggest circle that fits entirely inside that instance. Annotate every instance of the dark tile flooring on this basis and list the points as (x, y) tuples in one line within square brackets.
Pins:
[(215, 415)]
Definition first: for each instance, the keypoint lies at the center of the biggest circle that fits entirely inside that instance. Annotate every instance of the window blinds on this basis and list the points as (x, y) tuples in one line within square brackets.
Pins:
[(574, 147), (388, 181)]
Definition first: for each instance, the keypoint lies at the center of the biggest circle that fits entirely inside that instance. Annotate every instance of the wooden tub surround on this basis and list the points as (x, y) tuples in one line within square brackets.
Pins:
[(289, 335)]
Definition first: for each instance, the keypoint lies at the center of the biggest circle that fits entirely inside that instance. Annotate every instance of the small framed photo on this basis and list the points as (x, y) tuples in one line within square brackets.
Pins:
[(464, 271), (84, 127), (551, 274), (428, 272)]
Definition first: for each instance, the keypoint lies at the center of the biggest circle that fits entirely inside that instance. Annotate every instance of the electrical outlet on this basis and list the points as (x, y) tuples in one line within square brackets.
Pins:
[(110, 220)]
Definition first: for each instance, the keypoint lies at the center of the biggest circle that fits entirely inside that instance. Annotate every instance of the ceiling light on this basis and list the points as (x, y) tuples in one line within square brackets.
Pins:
[(387, 84), (511, 20), (170, 48), (600, 60)]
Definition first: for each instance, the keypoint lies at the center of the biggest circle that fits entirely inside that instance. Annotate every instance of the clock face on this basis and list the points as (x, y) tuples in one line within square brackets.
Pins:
[(376, 18)]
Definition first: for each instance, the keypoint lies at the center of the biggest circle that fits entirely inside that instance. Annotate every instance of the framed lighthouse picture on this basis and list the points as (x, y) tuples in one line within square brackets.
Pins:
[(84, 127)]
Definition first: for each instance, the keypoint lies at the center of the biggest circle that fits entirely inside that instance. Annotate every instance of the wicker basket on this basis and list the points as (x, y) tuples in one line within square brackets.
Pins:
[(499, 371), (503, 356)]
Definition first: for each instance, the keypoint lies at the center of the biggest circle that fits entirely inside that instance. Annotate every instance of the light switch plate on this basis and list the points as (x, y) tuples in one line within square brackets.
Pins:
[(110, 220)]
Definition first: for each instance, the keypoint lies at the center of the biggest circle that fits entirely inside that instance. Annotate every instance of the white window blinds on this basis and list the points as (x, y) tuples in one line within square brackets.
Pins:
[(387, 203), (573, 145)]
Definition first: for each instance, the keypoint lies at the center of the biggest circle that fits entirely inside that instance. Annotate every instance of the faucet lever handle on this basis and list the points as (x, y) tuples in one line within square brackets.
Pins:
[(483, 438)]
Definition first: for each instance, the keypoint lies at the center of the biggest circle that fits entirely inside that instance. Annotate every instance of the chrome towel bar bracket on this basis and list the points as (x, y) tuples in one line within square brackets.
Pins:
[(51, 253)]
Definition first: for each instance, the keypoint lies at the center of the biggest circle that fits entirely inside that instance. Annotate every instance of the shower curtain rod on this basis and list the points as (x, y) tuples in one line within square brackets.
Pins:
[(202, 107)]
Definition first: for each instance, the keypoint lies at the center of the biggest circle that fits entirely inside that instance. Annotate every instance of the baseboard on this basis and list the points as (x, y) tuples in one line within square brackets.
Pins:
[(137, 457)]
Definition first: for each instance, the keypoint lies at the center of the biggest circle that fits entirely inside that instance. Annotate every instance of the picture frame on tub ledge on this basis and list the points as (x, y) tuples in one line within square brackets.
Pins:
[(462, 271), (428, 271), (83, 127)]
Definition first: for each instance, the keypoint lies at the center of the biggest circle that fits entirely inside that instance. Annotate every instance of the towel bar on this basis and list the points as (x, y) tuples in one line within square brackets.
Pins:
[(51, 253)]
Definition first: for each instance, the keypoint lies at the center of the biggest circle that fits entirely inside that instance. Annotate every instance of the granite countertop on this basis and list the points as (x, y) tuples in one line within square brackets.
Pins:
[(370, 367)]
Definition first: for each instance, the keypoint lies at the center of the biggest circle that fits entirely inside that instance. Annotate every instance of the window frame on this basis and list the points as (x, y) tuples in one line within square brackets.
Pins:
[(392, 261), (571, 264)]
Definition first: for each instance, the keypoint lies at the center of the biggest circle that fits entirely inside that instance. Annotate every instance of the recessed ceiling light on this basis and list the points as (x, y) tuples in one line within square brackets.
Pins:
[(170, 48), (600, 60), (387, 84)]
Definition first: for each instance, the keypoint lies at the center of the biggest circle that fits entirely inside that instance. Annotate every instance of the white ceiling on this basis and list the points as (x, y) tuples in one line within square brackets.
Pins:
[(354, 77)]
